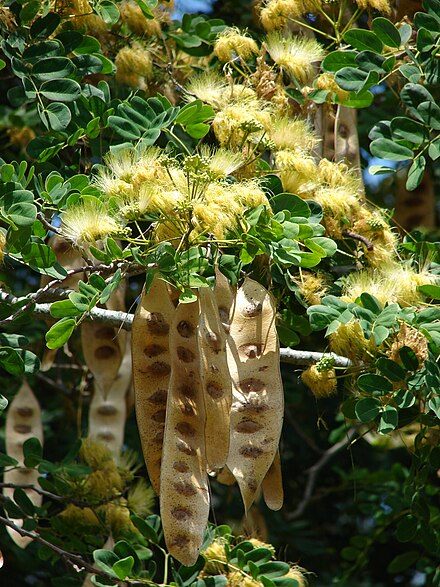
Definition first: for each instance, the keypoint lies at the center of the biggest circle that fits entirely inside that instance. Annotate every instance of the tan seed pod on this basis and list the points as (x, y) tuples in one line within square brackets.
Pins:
[(258, 403), (225, 299), (108, 412), (151, 371), (217, 385), (23, 421), (225, 477), (184, 492), (272, 485)]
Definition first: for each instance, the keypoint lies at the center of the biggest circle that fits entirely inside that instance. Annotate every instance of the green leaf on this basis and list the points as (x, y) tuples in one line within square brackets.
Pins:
[(3, 405), (11, 361), (430, 291), (388, 149), (43, 27), (2, 64), (145, 528), (386, 32), (55, 116), (32, 452), (274, 569), (388, 420), (359, 100), (434, 405), (22, 214), (390, 369), (407, 528), (338, 59), (81, 302), (372, 383), (430, 113), (64, 309), (52, 68), (404, 398), (403, 561), (293, 204), (23, 501), (351, 79), (363, 40), (371, 303), (61, 90), (370, 61), (187, 297), (123, 567), (414, 94), (124, 128), (108, 11), (60, 333), (408, 130), (7, 461), (409, 358), (411, 72), (405, 32), (105, 559), (434, 149), (367, 409), (415, 173)]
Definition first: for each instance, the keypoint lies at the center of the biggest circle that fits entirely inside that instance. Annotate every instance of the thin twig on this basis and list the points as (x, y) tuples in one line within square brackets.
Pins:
[(47, 224), (359, 237), (61, 498), (313, 472)]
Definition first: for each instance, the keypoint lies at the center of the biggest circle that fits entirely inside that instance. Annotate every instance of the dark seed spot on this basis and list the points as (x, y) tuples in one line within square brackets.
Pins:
[(159, 397), (187, 391), (252, 484), (158, 438), (263, 368), (186, 408), (185, 354), (159, 369), (185, 429), (185, 329), (214, 390), (105, 332), (252, 310), (105, 352), (251, 452), (180, 467), (252, 384), (248, 427), (179, 541), (254, 407), (153, 350), (185, 447), (185, 488), (107, 435), (156, 324), (25, 412), (107, 410), (22, 428), (159, 416), (181, 514), (251, 351)]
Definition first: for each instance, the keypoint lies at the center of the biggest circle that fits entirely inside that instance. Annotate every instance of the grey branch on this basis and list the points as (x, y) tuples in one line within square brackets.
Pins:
[(124, 320)]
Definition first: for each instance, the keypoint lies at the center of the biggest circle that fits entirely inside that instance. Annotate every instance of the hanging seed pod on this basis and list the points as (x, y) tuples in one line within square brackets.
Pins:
[(184, 492), (23, 421), (257, 405), (272, 485), (225, 299), (69, 258), (217, 385), (225, 477), (108, 413), (151, 371)]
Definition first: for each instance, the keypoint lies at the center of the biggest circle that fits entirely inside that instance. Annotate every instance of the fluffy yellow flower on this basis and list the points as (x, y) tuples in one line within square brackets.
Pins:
[(231, 43), (134, 66), (312, 286), (209, 87), (349, 341), (276, 13), (141, 498), (241, 122), (87, 222), (297, 171), (321, 383), (221, 162), (81, 16), (292, 133), (132, 16), (215, 557), (294, 54), (326, 81), (383, 6)]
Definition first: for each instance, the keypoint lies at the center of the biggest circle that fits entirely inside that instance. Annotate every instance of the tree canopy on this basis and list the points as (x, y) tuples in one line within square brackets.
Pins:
[(219, 288)]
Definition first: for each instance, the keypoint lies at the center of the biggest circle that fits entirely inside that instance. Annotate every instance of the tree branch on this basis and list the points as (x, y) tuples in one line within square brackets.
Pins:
[(124, 320), (313, 472)]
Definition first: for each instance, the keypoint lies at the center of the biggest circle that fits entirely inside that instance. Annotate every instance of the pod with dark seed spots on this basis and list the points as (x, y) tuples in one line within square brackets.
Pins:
[(217, 386), (151, 371), (184, 494), (272, 485), (23, 421), (257, 405)]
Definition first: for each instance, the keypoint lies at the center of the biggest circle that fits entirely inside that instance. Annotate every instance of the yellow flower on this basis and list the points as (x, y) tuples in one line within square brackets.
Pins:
[(134, 66), (379, 5), (81, 16), (313, 287), (241, 122), (141, 498), (297, 573), (87, 222), (208, 87), (321, 383), (326, 81), (221, 162), (349, 341), (215, 557), (292, 133), (294, 54), (276, 13), (231, 43), (297, 171), (132, 16)]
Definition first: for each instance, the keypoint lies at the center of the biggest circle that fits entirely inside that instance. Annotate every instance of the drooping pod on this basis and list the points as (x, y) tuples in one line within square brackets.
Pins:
[(272, 485), (151, 371), (184, 492), (108, 412), (23, 421), (217, 386), (258, 403)]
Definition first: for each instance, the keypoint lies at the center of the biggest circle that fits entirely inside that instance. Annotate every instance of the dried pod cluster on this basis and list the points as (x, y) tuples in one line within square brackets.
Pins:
[(209, 399), (23, 421)]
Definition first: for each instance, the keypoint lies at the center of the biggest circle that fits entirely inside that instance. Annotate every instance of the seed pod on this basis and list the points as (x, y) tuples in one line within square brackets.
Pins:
[(69, 258), (257, 405), (107, 413), (217, 386), (23, 421), (151, 371), (225, 299), (225, 477), (273, 485), (184, 493)]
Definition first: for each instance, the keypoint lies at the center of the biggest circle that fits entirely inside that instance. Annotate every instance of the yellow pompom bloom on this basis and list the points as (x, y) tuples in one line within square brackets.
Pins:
[(292, 133), (349, 341), (209, 87), (241, 122), (231, 43), (297, 573), (78, 518), (297, 171), (80, 15), (215, 557), (133, 17), (221, 162), (141, 498), (134, 66), (326, 81), (338, 175), (383, 6), (294, 54), (312, 286), (321, 383), (276, 13), (87, 222)]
